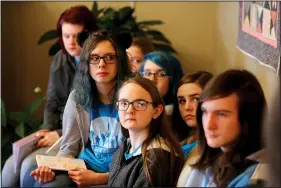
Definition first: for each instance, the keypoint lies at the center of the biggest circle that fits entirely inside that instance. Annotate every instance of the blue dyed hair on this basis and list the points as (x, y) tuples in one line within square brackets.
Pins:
[(171, 66)]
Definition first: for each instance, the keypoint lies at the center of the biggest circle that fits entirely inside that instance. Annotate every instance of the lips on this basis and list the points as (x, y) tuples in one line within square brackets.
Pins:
[(189, 116), (130, 119), (102, 73), (212, 136)]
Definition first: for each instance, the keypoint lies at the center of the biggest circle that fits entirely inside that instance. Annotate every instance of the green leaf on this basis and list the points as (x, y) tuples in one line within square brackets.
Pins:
[(49, 35), (164, 47), (3, 114), (34, 105), (20, 116), (151, 22), (6, 137), (157, 35), (108, 20), (20, 129), (125, 14), (95, 8), (5, 140), (54, 48), (100, 11)]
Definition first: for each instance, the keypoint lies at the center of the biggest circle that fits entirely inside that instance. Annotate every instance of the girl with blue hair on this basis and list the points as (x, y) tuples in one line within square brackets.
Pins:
[(165, 71), (91, 128)]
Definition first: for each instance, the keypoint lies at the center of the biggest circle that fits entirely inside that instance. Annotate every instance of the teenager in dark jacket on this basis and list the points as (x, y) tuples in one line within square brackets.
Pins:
[(71, 22), (151, 156)]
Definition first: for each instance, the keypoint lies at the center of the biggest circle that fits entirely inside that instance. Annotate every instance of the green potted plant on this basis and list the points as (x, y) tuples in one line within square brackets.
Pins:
[(121, 19), (16, 125)]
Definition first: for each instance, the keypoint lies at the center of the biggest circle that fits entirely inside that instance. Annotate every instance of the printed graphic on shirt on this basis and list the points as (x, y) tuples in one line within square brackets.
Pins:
[(105, 135)]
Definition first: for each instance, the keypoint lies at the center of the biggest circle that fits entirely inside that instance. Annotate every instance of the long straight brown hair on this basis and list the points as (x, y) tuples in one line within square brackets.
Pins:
[(159, 127), (201, 78), (251, 105)]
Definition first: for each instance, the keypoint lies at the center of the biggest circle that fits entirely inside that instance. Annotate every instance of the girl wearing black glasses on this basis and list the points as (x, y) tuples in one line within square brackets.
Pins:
[(151, 156), (91, 128)]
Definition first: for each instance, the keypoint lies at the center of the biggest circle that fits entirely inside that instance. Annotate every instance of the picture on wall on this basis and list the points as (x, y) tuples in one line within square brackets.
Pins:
[(259, 31), (259, 19)]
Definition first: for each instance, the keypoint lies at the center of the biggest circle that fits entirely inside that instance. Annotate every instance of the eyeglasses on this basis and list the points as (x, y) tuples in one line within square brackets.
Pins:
[(134, 60), (138, 105), (108, 59), (158, 74)]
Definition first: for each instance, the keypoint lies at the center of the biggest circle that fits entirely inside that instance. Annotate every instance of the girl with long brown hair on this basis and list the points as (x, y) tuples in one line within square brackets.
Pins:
[(151, 156)]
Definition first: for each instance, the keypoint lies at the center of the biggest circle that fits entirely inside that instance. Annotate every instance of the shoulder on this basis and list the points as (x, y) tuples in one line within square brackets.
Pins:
[(251, 175), (59, 60), (187, 171), (71, 104), (260, 173)]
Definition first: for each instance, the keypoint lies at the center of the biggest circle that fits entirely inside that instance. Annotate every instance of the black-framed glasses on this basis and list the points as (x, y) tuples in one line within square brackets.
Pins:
[(138, 105), (158, 74), (108, 59)]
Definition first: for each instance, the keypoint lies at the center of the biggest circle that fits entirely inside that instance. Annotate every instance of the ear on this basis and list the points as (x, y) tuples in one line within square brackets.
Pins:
[(158, 110)]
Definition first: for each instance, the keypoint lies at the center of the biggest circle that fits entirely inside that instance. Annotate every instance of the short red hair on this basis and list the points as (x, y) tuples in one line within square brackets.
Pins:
[(80, 15)]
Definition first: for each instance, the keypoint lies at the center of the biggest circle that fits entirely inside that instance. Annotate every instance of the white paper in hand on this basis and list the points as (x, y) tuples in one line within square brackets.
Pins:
[(60, 163)]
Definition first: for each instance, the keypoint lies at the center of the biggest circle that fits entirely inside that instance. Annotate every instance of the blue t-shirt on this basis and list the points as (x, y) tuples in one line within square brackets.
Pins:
[(104, 139), (76, 62)]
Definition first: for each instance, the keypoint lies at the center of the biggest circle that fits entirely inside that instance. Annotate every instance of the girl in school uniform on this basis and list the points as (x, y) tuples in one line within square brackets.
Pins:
[(151, 156)]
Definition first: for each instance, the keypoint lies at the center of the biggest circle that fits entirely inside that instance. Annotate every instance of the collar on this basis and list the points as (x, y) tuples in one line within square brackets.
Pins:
[(258, 156), (158, 142)]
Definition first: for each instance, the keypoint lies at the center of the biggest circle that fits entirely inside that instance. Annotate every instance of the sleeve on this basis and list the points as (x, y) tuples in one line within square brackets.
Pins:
[(59, 131), (71, 141), (51, 110)]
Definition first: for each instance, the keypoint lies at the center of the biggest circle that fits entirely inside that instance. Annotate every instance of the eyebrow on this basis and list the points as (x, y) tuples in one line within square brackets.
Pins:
[(133, 100), (191, 95), (155, 70), (220, 110), (110, 53)]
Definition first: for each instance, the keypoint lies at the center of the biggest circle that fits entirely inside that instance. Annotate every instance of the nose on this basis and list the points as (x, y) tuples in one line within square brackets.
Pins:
[(130, 109), (152, 77), (188, 106), (73, 40), (209, 122), (102, 64)]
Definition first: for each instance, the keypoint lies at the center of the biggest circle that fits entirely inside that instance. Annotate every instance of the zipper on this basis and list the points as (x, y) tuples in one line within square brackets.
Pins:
[(124, 163), (121, 166)]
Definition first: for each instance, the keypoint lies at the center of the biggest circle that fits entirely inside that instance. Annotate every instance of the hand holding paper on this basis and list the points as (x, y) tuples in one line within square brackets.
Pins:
[(83, 177)]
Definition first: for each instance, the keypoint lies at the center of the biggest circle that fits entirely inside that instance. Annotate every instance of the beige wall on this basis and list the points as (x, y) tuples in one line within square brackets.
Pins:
[(203, 33)]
